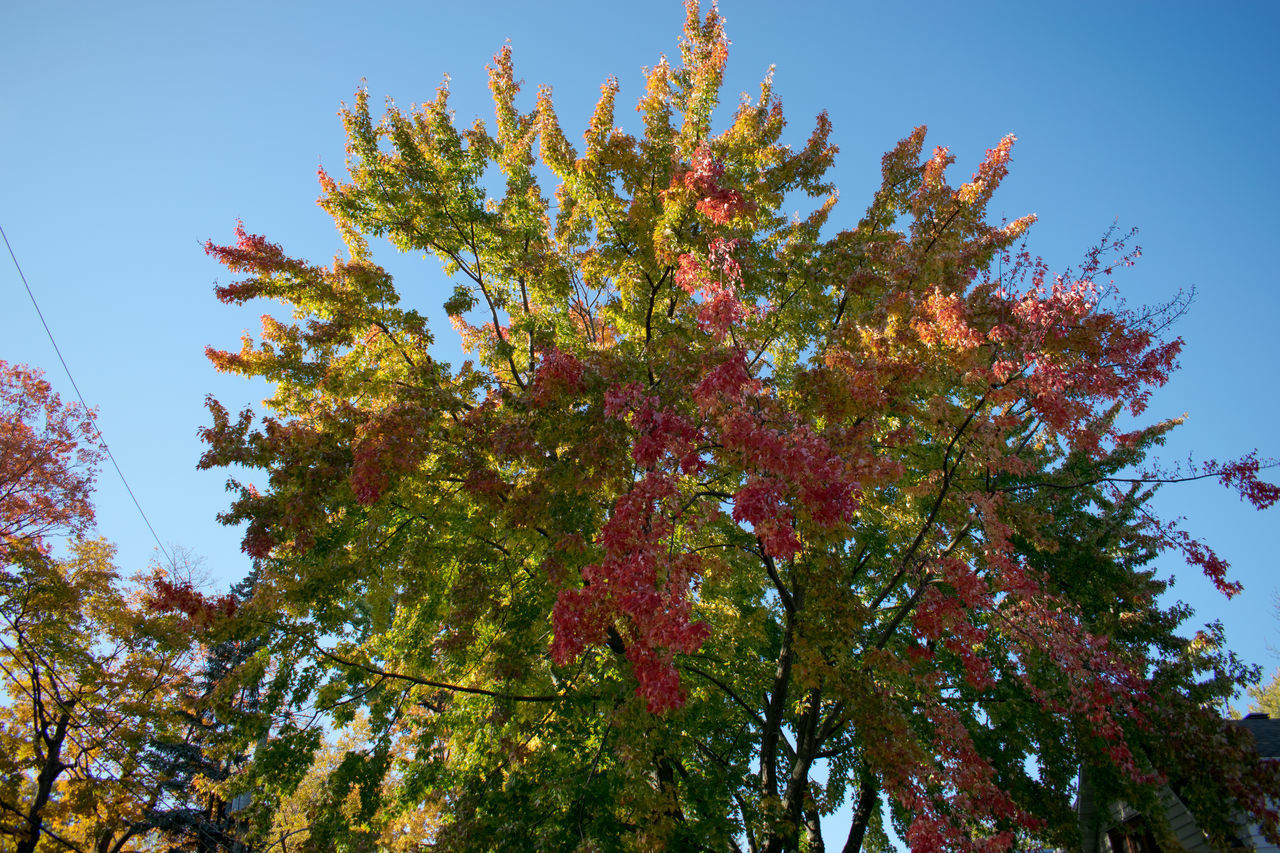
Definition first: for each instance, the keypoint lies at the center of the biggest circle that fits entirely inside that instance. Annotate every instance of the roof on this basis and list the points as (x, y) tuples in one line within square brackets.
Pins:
[(1265, 731)]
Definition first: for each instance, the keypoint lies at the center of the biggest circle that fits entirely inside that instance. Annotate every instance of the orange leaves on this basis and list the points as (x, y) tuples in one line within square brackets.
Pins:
[(994, 168), (942, 322)]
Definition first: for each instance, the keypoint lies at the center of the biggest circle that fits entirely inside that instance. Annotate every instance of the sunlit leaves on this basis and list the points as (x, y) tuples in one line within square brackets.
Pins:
[(723, 495)]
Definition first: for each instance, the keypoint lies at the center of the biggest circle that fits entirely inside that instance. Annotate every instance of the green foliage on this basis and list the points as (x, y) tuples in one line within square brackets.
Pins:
[(1266, 697), (722, 496)]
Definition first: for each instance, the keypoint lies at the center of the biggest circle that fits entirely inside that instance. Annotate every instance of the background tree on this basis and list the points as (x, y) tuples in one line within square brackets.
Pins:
[(196, 763), (89, 680), (1266, 697), (731, 519), (95, 668)]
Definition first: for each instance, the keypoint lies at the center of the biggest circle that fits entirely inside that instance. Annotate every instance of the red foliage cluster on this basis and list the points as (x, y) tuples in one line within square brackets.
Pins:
[(252, 254), (389, 444), (637, 580), (1242, 475), (165, 596), (559, 372), (47, 457), (715, 201)]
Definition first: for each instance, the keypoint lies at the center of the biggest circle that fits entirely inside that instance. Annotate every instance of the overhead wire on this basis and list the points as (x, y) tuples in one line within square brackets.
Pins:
[(88, 410)]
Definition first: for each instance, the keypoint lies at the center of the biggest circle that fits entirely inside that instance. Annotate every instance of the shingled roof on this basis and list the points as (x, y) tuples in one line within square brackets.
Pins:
[(1265, 731)]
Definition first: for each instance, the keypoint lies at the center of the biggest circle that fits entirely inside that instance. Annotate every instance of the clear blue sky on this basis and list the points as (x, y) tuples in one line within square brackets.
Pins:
[(134, 131)]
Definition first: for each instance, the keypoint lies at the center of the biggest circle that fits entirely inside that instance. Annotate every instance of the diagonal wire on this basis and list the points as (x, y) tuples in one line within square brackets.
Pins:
[(88, 411)]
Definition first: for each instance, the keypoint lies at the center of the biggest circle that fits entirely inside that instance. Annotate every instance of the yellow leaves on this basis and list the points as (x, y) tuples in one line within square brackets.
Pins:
[(417, 825), (1266, 697), (601, 127), (970, 192), (555, 149), (704, 51), (91, 676), (655, 105), (505, 87), (1017, 228)]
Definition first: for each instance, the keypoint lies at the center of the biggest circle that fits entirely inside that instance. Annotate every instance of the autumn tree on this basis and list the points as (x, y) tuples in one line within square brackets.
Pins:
[(90, 673), (90, 679), (732, 517)]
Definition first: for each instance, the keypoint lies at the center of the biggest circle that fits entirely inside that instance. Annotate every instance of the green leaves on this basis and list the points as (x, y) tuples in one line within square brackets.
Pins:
[(723, 498)]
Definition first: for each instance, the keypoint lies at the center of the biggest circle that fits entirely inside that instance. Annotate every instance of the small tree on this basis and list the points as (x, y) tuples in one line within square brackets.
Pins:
[(731, 519)]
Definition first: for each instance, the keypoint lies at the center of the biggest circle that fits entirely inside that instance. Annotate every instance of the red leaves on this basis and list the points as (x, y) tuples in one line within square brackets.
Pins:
[(1242, 476), (726, 385), (1197, 553), (716, 282), (391, 443), (761, 503), (628, 583), (47, 460), (955, 799), (559, 372), (165, 596), (249, 254), (715, 201), (791, 476), (797, 474), (257, 541)]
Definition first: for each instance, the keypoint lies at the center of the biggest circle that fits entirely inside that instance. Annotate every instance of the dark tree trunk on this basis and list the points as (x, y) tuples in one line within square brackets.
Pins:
[(868, 802), (49, 772)]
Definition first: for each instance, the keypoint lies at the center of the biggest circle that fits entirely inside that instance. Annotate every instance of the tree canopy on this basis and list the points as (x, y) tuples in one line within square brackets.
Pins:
[(732, 517)]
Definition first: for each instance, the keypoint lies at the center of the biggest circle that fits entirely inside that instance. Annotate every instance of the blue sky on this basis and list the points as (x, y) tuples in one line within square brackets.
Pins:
[(132, 132)]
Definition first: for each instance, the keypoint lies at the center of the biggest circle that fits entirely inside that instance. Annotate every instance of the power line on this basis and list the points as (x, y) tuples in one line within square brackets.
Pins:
[(88, 411)]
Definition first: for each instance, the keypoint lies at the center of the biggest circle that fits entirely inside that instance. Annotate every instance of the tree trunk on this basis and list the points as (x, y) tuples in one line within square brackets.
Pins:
[(793, 801), (868, 802), (49, 773), (813, 826)]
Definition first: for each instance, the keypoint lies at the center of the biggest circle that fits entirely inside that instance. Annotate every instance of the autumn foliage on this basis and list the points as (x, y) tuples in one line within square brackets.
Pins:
[(732, 517), (49, 456), (90, 678)]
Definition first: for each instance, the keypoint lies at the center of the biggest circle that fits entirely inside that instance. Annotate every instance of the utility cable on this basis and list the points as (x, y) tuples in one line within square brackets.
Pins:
[(88, 411)]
